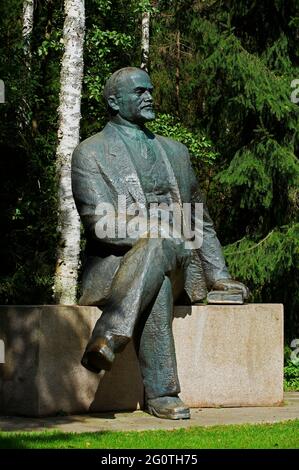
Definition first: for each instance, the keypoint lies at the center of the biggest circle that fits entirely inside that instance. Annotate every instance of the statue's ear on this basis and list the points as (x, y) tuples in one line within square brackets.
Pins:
[(113, 103)]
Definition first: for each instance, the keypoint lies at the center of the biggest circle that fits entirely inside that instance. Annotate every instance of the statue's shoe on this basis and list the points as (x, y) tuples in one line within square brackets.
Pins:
[(168, 408), (100, 352), (98, 356)]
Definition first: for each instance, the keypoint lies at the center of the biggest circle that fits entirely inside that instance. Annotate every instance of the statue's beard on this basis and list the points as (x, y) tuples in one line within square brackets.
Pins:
[(148, 114)]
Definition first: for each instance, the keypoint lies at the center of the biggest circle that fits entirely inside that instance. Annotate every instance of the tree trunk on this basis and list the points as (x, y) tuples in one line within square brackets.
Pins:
[(28, 9), (177, 71), (66, 275), (145, 24), (25, 102)]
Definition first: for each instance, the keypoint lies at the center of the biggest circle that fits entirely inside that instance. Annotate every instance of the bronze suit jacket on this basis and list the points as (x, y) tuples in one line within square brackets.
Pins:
[(103, 169)]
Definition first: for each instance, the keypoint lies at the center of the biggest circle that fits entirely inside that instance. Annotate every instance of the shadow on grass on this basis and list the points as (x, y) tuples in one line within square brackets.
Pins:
[(16, 423), (53, 440)]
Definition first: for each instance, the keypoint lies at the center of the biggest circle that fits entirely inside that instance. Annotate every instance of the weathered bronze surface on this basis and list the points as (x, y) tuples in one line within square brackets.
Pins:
[(136, 280)]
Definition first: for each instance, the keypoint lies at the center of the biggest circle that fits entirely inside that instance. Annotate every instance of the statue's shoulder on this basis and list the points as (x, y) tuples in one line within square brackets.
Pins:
[(173, 145), (94, 144), (96, 140)]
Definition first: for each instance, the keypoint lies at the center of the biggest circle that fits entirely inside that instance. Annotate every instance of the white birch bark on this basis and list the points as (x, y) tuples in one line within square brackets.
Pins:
[(65, 285), (177, 71), (27, 28), (28, 10), (145, 44)]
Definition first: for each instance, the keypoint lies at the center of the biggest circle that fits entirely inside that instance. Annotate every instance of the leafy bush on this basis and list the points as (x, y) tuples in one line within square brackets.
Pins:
[(200, 147)]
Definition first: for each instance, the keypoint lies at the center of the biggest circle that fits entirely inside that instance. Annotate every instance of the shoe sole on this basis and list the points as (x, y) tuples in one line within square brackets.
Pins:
[(87, 366), (102, 359), (183, 414)]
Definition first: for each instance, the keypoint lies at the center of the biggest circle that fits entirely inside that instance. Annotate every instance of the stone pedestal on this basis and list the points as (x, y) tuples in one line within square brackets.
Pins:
[(230, 355), (227, 356)]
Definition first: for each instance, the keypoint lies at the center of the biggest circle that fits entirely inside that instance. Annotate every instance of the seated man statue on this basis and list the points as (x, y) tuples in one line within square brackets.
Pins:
[(135, 280)]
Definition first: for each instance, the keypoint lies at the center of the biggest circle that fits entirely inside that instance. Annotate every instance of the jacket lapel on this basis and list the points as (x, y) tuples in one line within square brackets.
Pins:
[(119, 168), (174, 184), (177, 169)]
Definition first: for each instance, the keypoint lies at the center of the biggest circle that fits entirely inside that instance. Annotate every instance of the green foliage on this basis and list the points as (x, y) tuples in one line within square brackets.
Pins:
[(260, 262), (52, 42), (269, 266), (111, 42), (28, 131), (260, 171), (222, 73), (231, 64), (145, 6), (200, 147)]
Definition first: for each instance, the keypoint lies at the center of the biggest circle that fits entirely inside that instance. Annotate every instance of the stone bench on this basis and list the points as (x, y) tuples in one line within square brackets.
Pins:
[(227, 356)]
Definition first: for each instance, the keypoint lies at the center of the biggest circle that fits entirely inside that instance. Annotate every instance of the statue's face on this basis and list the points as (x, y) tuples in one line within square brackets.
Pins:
[(134, 100)]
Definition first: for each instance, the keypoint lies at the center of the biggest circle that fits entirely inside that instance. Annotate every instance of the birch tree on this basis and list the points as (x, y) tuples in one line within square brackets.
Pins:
[(145, 25), (27, 28), (28, 10), (66, 274)]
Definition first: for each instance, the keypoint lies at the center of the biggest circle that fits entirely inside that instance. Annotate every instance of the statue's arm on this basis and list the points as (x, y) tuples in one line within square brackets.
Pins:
[(216, 272), (90, 190), (210, 251)]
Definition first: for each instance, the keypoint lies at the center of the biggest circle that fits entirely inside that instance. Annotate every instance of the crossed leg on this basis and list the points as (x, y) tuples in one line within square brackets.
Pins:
[(141, 305), (135, 287)]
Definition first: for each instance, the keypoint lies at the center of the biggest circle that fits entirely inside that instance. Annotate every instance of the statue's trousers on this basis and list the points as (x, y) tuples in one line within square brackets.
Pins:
[(140, 305)]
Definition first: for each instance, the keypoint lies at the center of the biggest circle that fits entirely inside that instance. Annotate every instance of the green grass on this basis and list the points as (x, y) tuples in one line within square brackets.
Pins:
[(258, 436)]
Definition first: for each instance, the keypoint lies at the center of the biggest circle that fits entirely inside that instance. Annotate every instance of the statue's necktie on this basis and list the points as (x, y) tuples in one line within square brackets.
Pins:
[(147, 154)]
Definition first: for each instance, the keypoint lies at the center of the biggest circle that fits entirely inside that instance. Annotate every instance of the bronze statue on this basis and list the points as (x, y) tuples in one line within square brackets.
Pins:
[(136, 279)]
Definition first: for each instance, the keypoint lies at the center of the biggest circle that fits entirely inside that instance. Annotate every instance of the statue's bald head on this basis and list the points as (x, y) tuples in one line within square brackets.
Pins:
[(128, 93), (115, 81)]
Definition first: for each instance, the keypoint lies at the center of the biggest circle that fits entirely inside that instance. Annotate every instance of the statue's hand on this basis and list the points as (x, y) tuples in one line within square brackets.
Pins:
[(230, 284)]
